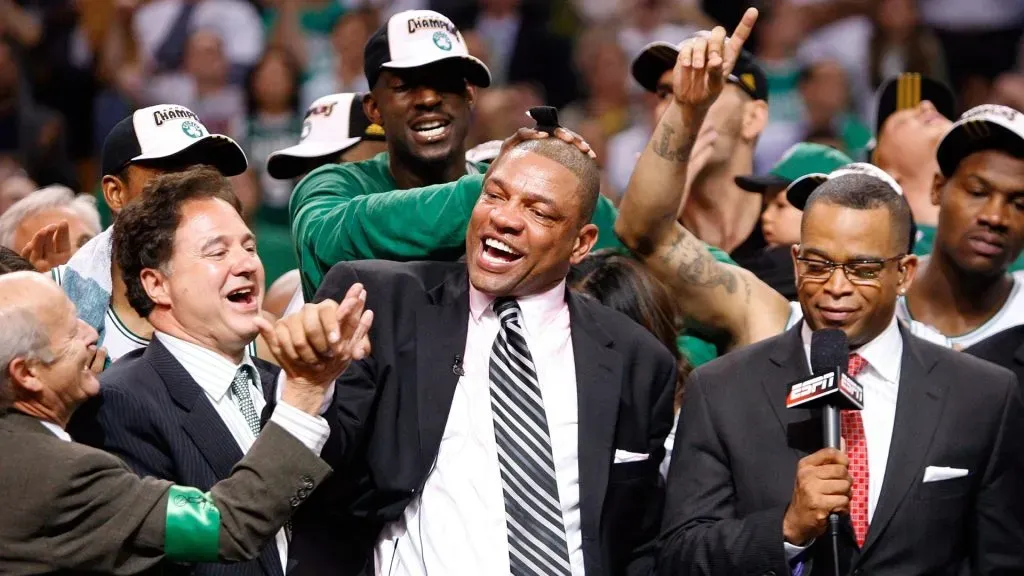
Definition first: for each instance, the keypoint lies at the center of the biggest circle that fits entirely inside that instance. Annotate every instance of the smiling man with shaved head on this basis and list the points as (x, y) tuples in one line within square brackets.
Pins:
[(497, 399)]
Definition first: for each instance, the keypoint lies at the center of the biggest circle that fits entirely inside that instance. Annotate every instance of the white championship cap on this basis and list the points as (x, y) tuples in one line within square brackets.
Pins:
[(416, 38), (801, 189), (333, 124), (985, 127), (169, 134)]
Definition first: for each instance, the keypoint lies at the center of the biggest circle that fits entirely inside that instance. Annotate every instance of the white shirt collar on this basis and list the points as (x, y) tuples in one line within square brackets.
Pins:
[(538, 309), (213, 372), (883, 354), (57, 430)]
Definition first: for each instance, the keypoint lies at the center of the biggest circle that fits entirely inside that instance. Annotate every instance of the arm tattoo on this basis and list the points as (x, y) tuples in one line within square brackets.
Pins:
[(662, 147), (695, 266)]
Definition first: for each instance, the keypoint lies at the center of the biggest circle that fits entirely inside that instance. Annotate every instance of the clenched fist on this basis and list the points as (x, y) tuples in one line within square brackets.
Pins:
[(822, 486)]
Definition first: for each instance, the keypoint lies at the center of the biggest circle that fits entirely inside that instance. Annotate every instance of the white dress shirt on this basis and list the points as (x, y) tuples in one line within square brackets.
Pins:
[(457, 525), (214, 374), (880, 379)]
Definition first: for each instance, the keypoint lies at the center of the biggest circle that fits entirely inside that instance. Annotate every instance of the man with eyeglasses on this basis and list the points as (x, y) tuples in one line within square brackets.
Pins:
[(927, 482)]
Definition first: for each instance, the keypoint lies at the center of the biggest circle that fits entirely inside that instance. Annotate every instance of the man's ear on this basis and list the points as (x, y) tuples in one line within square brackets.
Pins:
[(471, 95), (585, 240), (937, 183), (115, 192), (154, 282), (371, 110), (755, 118), (21, 373)]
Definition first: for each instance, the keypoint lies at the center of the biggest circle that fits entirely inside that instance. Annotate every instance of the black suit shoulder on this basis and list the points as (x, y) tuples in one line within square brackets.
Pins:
[(627, 334), (385, 276)]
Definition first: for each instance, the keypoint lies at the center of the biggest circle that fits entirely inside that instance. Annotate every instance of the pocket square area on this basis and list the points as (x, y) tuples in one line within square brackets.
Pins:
[(623, 456), (939, 473)]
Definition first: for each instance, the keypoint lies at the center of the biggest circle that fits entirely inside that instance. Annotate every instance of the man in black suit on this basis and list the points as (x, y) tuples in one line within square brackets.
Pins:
[(929, 479), (191, 404), (505, 424), (1005, 348)]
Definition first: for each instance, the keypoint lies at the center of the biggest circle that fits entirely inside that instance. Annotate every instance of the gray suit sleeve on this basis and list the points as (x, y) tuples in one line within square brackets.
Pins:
[(998, 521), (702, 532), (109, 520)]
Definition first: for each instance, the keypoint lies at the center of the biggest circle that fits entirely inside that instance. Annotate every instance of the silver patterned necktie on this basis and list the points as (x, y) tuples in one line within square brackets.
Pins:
[(241, 388), (536, 531)]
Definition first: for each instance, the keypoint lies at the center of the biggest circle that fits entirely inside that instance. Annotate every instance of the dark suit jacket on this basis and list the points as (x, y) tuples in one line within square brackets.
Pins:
[(155, 417), (1005, 349), (69, 508), (395, 405), (737, 447)]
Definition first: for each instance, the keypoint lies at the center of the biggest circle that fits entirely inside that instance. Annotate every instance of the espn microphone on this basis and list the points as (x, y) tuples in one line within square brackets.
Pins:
[(831, 389)]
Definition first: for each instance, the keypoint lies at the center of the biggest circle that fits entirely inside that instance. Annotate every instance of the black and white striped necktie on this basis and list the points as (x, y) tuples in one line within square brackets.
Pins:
[(536, 531)]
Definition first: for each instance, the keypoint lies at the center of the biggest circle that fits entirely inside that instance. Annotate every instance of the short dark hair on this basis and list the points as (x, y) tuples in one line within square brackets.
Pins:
[(863, 192), (585, 168), (143, 235), (11, 261)]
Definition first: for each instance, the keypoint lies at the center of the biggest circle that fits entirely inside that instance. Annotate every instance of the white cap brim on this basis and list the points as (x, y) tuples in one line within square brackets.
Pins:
[(289, 162), (217, 150)]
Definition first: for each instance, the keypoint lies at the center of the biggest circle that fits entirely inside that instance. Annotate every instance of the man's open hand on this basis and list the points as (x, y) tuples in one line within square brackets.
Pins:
[(49, 247)]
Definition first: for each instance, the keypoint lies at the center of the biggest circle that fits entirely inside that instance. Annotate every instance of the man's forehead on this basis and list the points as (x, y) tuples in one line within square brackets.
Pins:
[(841, 231), (995, 166)]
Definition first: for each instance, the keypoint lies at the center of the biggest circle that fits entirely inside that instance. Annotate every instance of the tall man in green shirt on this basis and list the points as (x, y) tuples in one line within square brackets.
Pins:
[(423, 85)]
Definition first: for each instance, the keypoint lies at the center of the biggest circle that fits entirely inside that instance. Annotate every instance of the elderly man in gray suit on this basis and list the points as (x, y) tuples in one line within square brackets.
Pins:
[(72, 508)]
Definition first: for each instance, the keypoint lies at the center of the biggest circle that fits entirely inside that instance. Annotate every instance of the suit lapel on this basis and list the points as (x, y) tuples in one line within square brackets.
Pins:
[(918, 411), (441, 328), (206, 429), (789, 364), (598, 389), (201, 422)]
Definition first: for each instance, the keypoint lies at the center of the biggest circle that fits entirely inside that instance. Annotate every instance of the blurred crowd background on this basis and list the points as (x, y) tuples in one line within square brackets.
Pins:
[(70, 69)]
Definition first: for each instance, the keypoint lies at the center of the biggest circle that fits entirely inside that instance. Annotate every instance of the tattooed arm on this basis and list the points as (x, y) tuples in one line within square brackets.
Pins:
[(717, 295)]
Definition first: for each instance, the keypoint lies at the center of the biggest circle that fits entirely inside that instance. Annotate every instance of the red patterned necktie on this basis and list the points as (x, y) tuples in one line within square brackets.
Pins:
[(857, 451)]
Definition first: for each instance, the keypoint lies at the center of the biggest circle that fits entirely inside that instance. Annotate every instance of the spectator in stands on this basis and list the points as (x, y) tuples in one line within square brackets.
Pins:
[(521, 48), (713, 206), (901, 43), (302, 28), (342, 69), (272, 122), (825, 92), (202, 85), (13, 188), (48, 226), (163, 29), (31, 137), (603, 67)]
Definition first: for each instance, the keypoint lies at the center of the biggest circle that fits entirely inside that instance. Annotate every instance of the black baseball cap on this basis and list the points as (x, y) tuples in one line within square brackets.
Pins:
[(659, 57), (169, 134), (417, 38)]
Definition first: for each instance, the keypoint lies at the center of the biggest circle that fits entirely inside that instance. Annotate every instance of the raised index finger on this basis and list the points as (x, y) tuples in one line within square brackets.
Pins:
[(739, 37)]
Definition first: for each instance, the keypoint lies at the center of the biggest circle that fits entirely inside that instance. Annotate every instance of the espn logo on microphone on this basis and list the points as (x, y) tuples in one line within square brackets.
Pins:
[(846, 394), (808, 390)]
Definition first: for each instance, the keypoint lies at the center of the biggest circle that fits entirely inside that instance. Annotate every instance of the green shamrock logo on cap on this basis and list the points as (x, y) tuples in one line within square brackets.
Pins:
[(191, 129), (442, 41)]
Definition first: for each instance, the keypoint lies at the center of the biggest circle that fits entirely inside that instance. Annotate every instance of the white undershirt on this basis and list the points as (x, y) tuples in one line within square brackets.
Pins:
[(457, 525), (214, 374)]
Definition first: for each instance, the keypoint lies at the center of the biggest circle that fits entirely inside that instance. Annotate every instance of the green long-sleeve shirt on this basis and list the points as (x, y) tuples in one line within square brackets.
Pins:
[(355, 211)]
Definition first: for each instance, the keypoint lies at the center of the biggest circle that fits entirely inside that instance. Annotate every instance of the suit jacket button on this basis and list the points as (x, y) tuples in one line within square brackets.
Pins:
[(302, 493), (770, 573), (294, 502), (306, 479)]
